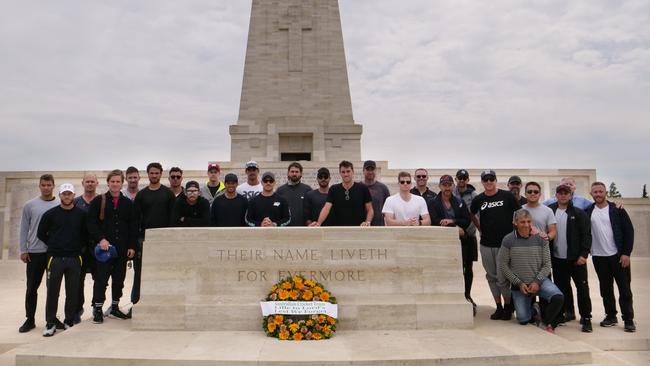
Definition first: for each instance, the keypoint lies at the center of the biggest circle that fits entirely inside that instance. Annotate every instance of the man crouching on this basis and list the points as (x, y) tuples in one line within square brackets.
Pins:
[(525, 260)]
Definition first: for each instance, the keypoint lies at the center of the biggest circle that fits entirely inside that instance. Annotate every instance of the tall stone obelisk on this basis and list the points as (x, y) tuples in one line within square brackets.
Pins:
[(295, 102)]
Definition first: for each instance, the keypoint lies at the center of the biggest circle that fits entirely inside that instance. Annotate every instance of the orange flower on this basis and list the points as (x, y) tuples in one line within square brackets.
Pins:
[(284, 294), (326, 329), (278, 319), (271, 327), (310, 283), (318, 290), (294, 295), (331, 320), (284, 336), (299, 285), (297, 279), (307, 295), (297, 337), (317, 336), (309, 323), (322, 318), (325, 296), (294, 327), (286, 285)]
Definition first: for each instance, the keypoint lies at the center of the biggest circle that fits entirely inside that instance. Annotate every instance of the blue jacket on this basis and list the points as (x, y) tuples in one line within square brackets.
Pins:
[(621, 227)]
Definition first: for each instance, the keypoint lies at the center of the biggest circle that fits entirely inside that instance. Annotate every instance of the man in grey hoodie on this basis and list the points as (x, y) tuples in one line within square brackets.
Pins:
[(33, 251)]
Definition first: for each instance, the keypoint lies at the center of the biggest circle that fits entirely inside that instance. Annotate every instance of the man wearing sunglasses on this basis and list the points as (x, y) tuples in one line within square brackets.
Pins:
[(492, 213), (405, 208), (176, 180), (421, 189), (467, 192), (544, 222), (214, 187), (315, 199), (268, 209), (190, 209)]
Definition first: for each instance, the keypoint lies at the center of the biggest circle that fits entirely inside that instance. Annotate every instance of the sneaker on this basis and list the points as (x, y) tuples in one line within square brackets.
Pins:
[(630, 327), (59, 325), (549, 328), (117, 313), (508, 309), (98, 317), (498, 313), (586, 325), (537, 314), (468, 298), (130, 313), (609, 322), (50, 329), (68, 323), (28, 325)]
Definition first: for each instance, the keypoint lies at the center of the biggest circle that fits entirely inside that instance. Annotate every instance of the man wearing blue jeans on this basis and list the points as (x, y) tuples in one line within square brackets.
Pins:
[(525, 261)]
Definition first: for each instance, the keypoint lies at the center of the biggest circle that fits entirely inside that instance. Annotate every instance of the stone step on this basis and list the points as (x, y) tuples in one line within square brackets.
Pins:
[(86, 345)]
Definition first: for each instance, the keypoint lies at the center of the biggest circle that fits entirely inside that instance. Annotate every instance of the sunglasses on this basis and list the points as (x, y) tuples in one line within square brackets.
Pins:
[(404, 182), (420, 176), (175, 176), (531, 191), (322, 176), (462, 178), (488, 179), (268, 181), (191, 191)]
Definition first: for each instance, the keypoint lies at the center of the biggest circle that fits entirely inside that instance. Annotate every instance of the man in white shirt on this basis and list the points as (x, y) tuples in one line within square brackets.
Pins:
[(252, 187), (405, 208)]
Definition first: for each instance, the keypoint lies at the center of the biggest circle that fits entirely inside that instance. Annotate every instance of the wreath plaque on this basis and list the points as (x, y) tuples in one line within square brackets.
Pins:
[(299, 309)]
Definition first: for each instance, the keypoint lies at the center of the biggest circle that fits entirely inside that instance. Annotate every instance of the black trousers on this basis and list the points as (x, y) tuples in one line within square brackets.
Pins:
[(116, 270), (34, 273), (609, 270), (563, 272), (137, 272), (88, 266), (60, 267), (469, 251)]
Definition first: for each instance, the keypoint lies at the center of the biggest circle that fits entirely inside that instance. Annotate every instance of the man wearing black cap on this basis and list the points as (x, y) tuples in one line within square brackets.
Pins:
[(294, 192), (466, 193), (492, 214), (315, 199), (268, 209), (514, 185), (252, 187), (214, 187), (569, 254), (190, 209), (378, 191), (229, 209)]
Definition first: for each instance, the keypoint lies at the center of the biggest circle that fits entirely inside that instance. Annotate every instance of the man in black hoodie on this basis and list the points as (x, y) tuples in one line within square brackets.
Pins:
[(191, 210), (63, 230)]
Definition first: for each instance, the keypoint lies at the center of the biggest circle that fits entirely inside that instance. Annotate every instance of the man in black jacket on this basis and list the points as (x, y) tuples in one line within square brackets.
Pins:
[(612, 236), (190, 209), (63, 230), (112, 222), (569, 254)]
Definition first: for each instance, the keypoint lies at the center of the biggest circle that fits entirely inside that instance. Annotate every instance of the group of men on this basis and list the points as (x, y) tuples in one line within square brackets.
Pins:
[(520, 246)]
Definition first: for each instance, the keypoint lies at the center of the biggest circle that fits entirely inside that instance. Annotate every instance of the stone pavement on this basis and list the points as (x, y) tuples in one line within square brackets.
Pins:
[(490, 342)]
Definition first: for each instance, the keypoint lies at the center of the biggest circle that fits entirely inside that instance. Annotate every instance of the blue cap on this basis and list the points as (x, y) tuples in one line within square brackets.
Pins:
[(105, 255)]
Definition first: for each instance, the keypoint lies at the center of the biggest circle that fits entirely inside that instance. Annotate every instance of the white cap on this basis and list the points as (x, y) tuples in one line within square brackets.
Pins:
[(66, 187)]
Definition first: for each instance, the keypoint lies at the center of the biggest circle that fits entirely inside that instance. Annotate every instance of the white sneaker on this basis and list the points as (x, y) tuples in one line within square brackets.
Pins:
[(50, 329)]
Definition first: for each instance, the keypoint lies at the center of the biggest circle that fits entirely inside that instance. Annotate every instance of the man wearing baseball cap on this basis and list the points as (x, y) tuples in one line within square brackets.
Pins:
[(214, 187), (492, 213), (514, 185), (252, 187), (268, 209), (190, 209), (229, 209), (63, 230)]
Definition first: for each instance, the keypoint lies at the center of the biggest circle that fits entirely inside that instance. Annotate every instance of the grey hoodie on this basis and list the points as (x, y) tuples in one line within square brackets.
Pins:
[(32, 212)]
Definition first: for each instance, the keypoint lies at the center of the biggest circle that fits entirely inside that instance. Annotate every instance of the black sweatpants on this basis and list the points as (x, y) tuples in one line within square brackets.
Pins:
[(563, 272), (469, 251), (60, 267), (137, 272), (609, 270), (34, 273), (116, 270), (89, 266)]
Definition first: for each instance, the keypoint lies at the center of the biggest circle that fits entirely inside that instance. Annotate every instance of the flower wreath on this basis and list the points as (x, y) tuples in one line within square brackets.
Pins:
[(299, 327)]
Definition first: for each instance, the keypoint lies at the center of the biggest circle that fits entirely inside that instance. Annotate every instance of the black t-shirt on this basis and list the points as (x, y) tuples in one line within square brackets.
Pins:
[(154, 208), (63, 231), (349, 209), (275, 207), (496, 213), (313, 204), (229, 212)]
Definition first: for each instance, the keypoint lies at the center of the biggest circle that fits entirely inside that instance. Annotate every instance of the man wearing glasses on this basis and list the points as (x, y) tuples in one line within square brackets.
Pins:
[(405, 208), (213, 188), (315, 199), (190, 209), (268, 209), (229, 209), (176, 180), (421, 189), (349, 202), (466, 192), (492, 213), (544, 221)]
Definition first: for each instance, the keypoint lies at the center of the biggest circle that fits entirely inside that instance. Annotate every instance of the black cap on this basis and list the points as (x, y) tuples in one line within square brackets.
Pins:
[(323, 171), (462, 174), (563, 188), (192, 183), (514, 179), (446, 179), (369, 164), (487, 173), (230, 177), (268, 175)]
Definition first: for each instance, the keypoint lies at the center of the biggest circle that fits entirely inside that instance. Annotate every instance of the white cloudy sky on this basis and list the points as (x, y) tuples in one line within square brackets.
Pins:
[(521, 84)]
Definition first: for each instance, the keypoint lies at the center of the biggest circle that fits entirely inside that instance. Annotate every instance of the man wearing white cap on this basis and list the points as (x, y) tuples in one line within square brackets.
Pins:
[(252, 187), (63, 230)]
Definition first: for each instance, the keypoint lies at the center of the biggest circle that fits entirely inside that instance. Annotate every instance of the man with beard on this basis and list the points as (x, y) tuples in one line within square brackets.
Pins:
[(378, 191), (176, 180), (252, 187), (514, 185), (229, 209), (190, 209), (315, 199), (294, 193), (268, 209), (132, 183), (153, 209)]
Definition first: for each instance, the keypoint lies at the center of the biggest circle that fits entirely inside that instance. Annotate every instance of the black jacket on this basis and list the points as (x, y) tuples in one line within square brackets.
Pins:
[(196, 215), (119, 227), (578, 232), (461, 212), (621, 226)]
